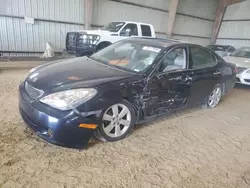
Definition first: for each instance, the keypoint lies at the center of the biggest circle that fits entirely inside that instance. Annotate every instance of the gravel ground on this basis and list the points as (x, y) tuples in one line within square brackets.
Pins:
[(194, 149)]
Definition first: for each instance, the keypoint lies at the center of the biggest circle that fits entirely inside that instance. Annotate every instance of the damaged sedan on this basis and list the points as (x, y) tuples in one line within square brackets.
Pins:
[(129, 82)]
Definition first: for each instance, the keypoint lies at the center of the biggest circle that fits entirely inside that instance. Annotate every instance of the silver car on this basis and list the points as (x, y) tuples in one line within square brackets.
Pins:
[(241, 58), (222, 50)]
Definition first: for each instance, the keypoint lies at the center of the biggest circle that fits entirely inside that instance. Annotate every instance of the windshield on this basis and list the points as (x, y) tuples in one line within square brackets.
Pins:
[(113, 26), (242, 52), (128, 55)]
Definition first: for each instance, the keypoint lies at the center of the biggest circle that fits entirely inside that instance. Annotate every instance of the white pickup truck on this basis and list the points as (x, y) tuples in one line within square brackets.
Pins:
[(87, 42)]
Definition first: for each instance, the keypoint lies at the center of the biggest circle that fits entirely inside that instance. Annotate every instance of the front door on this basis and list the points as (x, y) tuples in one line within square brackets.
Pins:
[(169, 86), (205, 74), (129, 30)]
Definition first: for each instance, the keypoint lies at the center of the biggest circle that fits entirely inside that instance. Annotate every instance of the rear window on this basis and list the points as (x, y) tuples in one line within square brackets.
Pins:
[(146, 31)]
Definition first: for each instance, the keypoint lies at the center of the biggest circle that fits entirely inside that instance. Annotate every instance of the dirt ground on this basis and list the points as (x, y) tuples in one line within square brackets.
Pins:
[(193, 149)]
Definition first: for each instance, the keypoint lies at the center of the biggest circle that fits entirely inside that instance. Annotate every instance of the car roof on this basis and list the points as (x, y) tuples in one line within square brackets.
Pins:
[(220, 45), (245, 47), (134, 22), (160, 42)]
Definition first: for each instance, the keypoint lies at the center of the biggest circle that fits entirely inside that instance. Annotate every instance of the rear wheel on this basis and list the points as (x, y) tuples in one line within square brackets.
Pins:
[(117, 121), (215, 97)]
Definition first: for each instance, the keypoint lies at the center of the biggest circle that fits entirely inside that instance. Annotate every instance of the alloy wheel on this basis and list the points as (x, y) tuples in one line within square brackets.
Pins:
[(116, 120), (215, 97)]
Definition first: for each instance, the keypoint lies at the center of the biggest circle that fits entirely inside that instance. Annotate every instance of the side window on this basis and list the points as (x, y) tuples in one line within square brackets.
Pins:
[(174, 60), (201, 58), (146, 31), (129, 29)]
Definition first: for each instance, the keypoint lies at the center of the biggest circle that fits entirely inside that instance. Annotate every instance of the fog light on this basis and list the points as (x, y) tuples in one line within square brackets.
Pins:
[(50, 132)]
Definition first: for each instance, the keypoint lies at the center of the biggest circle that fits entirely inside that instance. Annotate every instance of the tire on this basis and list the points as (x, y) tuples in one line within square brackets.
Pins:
[(118, 121), (214, 97)]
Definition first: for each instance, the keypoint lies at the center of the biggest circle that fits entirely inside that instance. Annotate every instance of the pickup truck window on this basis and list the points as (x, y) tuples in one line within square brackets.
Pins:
[(113, 26), (146, 31), (129, 29)]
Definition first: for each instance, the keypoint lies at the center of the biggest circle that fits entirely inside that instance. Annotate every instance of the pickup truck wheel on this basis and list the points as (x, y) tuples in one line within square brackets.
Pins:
[(102, 45)]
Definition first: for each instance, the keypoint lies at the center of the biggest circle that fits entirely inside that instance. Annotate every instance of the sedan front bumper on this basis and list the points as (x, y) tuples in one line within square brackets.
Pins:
[(55, 126), (243, 78)]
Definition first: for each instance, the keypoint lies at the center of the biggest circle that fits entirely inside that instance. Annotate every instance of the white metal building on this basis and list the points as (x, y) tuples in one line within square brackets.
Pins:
[(26, 25), (52, 19), (235, 27)]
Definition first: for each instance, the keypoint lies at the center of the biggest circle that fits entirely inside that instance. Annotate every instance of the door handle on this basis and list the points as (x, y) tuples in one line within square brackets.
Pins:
[(217, 73), (187, 79), (182, 78)]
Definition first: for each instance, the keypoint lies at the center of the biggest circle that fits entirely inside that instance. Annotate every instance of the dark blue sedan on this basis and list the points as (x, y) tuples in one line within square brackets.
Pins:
[(129, 82)]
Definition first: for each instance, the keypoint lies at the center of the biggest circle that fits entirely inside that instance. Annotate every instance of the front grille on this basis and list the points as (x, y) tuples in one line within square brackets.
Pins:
[(247, 80), (33, 92), (240, 70)]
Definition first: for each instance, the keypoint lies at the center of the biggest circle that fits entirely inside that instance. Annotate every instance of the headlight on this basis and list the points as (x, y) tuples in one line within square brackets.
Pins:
[(94, 39), (248, 71), (66, 100)]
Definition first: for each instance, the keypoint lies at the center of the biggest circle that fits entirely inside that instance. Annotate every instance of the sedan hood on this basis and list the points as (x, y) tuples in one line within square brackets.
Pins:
[(238, 61), (73, 73)]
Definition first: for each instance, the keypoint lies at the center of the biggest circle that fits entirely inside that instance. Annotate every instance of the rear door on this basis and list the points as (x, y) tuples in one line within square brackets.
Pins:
[(206, 74)]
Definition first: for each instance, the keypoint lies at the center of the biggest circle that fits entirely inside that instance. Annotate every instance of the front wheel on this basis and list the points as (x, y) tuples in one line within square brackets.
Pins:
[(117, 121), (215, 97)]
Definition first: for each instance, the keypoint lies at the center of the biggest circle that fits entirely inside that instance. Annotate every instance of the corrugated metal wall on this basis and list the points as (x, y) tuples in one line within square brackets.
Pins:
[(194, 20), (52, 20), (235, 27), (105, 11)]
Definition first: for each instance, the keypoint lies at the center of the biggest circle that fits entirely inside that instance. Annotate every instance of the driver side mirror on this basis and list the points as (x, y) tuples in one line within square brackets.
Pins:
[(126, 32)]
